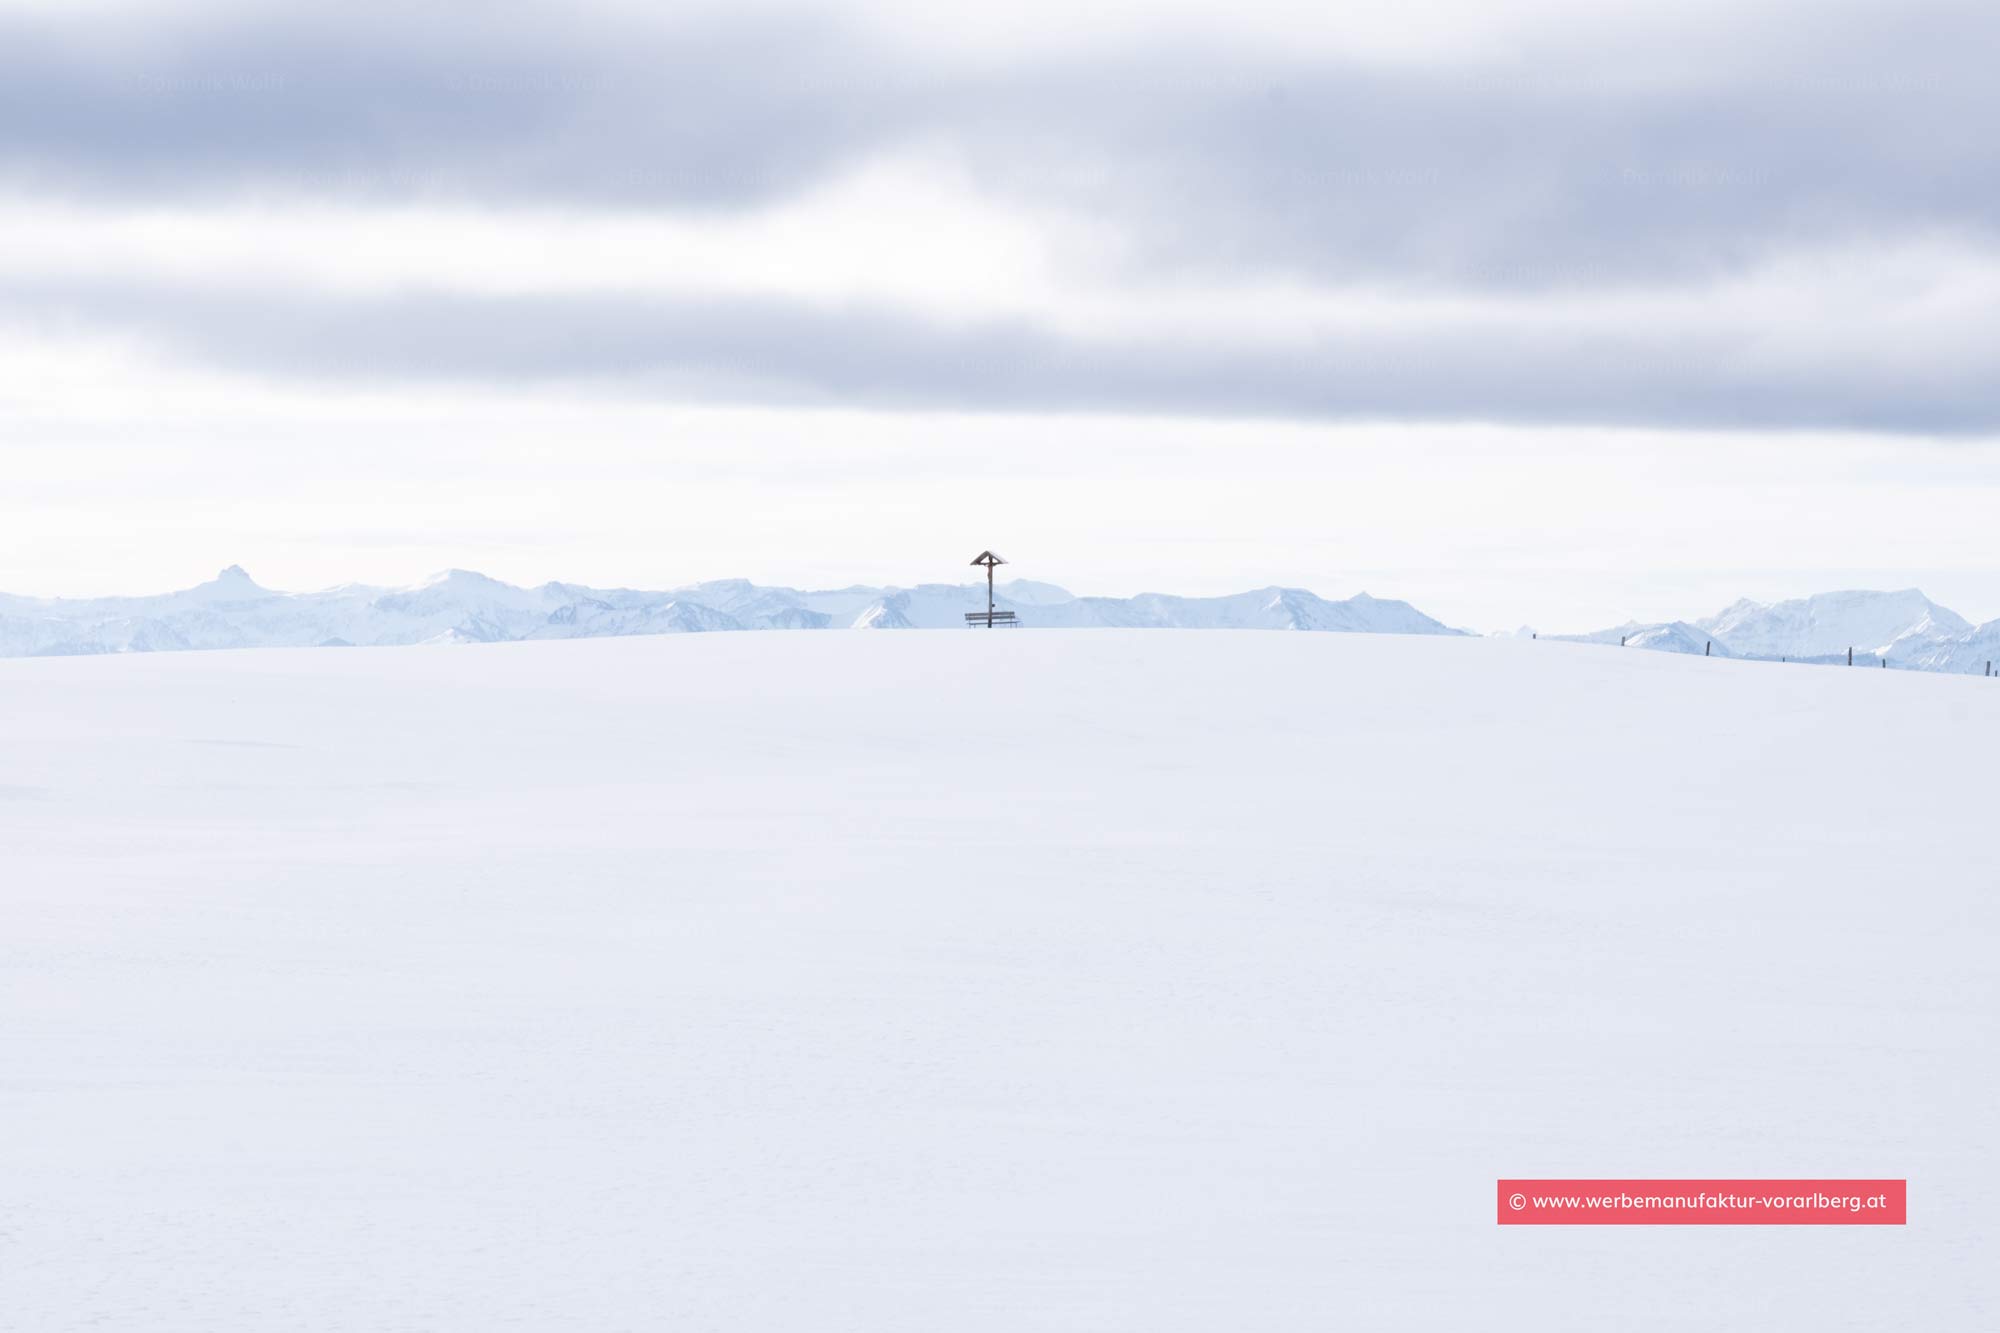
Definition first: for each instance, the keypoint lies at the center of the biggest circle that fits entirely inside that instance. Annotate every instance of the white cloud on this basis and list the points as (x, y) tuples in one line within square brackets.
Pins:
[(910, 231)]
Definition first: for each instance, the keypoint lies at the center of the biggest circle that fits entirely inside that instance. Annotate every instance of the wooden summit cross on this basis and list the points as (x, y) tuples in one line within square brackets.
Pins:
[(989, 617)]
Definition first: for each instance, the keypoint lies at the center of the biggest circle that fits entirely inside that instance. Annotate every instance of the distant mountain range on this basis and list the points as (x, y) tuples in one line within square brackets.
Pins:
[(233, 611), (1903, 629)]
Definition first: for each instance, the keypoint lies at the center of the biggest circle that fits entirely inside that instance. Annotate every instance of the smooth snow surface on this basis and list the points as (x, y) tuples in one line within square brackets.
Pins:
[(1107, 981)]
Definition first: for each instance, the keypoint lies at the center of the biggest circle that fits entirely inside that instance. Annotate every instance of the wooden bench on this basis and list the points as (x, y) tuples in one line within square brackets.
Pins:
[(991, 618)]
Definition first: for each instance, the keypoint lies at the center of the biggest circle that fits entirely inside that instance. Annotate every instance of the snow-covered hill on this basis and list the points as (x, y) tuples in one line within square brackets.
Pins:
[(1971, 652), (1904, 629), (984, 982), (1674, 636), (232, 611)]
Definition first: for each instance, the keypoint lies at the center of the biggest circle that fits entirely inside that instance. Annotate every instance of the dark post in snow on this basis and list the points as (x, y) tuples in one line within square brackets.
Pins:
[(1850, 657), (1706, 646), (989, 617)]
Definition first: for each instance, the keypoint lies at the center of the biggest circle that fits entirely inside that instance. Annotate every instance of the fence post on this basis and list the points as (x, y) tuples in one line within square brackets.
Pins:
[(1850, 657), (1706, 646)]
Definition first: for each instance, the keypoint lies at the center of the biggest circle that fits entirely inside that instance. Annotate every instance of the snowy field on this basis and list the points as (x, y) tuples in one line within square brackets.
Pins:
[(964, 981)]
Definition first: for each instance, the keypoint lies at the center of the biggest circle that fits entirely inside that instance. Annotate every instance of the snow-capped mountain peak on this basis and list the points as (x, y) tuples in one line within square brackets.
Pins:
[(1902, 628), (1832, 622), (229, 584)]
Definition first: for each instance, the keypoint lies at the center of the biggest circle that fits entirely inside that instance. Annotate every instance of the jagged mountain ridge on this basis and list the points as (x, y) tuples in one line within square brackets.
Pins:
[(459, 606), (1902, 628)]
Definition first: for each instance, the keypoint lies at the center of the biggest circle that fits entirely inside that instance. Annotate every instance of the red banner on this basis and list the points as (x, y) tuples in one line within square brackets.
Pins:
[(1811, 1203)]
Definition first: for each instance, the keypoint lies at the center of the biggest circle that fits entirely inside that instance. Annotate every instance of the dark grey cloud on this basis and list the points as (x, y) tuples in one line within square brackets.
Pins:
[(1578, 166), (372, 106), (776, 352)]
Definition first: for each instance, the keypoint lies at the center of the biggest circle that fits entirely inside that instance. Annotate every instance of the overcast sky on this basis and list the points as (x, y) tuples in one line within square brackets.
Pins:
[(1552, 313)]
